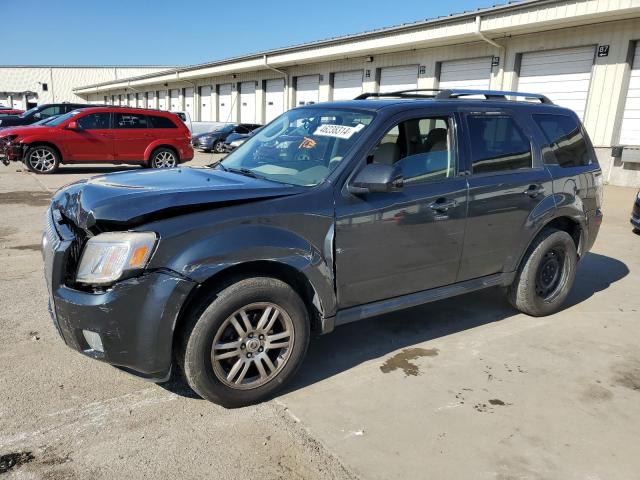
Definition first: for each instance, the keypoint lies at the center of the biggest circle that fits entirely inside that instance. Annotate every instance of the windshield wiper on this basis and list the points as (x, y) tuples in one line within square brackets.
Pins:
[(244, 171)]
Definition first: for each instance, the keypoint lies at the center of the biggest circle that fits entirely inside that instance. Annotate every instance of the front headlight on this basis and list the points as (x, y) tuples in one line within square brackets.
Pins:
[(237, 143), (108, 257)]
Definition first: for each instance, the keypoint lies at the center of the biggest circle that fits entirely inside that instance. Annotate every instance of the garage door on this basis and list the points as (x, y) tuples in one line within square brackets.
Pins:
[(307, 89), (131, 99), (474, 74), (206, 112), (248, 102), (398, 78), (562, 75), (18, 103), (151, 99), (224, 102), (174, 100), (162, 100), (188, 102), (630, 129), (347, 85), (274, 99), (141, 100)]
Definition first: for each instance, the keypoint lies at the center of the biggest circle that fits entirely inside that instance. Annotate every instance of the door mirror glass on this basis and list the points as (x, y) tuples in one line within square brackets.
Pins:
[(377, 178), (73, 126)]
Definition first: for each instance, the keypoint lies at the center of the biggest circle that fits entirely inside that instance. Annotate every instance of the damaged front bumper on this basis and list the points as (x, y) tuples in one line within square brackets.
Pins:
[(134, 318), (11, 152)]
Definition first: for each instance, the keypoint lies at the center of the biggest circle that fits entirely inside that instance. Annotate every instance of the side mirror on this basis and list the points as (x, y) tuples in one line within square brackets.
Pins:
[(37, 115), (73, 126), (375, 178)]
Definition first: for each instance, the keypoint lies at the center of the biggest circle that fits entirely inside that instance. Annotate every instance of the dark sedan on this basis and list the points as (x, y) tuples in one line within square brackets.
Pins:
[(234, 140), (635, 215), (215, 140)]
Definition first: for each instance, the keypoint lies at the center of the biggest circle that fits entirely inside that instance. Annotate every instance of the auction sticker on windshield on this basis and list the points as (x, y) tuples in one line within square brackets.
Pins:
[(337, 131)]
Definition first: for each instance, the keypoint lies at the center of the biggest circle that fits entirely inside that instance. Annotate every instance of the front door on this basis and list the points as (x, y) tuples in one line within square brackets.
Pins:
[(507, 182), (93, 140), (392, 244)]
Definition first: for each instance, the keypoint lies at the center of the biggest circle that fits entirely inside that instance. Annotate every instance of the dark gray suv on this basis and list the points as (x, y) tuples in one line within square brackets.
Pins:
[(330, 214)]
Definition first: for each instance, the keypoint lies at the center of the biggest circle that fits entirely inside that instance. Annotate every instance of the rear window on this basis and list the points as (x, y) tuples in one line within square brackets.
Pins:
[(498, 144), (566, 140), (161, 122), (131, 120)]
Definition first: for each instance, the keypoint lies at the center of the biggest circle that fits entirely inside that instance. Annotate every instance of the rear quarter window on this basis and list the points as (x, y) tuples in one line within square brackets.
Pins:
[(567, 145), (161, 122)]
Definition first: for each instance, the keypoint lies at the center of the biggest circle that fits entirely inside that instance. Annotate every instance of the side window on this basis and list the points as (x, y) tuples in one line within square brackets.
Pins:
[(95, 121), (565, 138), (421, 148), (49, 112), (131, 120), (241, 129), (497, 144), (161, 122)]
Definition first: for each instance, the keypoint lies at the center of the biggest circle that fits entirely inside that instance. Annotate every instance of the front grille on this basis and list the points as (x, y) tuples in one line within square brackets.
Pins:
[(75, 251)]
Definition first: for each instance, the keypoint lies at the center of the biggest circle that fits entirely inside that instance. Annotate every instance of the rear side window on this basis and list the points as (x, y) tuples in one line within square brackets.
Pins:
[(161, 122), (566, 140), (131, 120), (498, 144)]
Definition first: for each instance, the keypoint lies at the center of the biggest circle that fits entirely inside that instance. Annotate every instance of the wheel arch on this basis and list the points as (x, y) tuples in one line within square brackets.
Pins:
[(290, 275), (151, 149), (35, 143)]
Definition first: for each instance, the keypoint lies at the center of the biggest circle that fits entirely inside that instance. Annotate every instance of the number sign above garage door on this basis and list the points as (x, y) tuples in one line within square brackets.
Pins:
[(562, 75)]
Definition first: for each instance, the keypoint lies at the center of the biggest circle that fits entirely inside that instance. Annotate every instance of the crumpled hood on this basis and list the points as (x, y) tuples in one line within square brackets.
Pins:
[(126, 199)]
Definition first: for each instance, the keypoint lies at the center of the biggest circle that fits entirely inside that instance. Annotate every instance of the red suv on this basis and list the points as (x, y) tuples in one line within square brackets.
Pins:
[(100, 134)]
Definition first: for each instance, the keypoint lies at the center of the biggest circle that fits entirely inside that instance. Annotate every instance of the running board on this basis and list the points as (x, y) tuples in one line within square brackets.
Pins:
[(381, 307)]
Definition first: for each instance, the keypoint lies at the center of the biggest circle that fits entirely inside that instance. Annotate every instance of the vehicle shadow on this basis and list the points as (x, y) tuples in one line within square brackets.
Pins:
[(90, 170), (359, 342)]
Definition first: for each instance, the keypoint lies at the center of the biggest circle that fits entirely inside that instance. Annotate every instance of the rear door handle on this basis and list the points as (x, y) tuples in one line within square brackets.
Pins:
[(534, 190), (442, 205)]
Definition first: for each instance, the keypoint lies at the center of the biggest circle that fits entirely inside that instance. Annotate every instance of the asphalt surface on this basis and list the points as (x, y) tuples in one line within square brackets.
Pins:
[(462, 388)]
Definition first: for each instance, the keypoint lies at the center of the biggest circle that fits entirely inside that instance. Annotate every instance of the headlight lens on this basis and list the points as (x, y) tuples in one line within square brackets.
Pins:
[(237, 143), (111, 256)]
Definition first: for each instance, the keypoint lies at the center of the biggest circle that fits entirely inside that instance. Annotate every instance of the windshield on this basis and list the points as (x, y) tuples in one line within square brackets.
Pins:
[(63, 118), (31, 111), (301, 147), (225, 129)]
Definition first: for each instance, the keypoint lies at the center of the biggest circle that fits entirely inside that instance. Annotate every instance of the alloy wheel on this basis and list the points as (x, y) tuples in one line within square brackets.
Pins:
[(252, 345), (42, 160), (164, 159), (218, 147)]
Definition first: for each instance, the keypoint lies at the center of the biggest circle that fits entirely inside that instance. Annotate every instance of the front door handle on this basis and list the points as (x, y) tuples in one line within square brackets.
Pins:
[(534, 190), (442, 205)]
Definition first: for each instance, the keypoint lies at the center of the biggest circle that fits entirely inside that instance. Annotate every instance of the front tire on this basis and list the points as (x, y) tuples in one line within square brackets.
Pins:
[(163, 158), (546, 275), (245, 342), (42, 159), (218, 147)]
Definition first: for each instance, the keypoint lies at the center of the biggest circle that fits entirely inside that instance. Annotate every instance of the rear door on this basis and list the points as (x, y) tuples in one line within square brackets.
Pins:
[(397, 243), (94, 140), (131, 136), (507, 182)]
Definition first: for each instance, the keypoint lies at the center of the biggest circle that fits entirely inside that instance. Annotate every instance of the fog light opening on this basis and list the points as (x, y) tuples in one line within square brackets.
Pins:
[(94, 340)]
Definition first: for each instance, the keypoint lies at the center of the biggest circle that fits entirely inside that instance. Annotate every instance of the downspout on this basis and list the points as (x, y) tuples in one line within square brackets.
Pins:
[(286, 79), (501, 48), (195, 92)]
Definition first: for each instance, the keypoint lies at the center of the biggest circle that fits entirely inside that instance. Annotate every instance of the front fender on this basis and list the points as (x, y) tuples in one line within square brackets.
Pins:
[(32, 139), (200, 256)]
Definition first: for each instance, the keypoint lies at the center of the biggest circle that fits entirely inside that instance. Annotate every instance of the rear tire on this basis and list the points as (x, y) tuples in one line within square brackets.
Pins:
[(163, 158), (546, 274), (42, 159), (228, 362)]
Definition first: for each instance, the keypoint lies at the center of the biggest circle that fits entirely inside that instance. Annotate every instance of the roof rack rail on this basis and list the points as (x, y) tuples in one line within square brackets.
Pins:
[(490, 94), (448, 94)]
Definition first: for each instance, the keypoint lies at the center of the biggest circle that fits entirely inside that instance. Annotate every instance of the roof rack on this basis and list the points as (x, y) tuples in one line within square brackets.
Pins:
[(448, 94)]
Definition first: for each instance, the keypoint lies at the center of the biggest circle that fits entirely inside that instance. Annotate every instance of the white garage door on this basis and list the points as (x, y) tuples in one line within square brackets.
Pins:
[(248, 102), (174, 100), (205, 104), (347, 85), (224, 102), (473, 74), (162, 100), (131, 99), (151, 99), (140, 100), (630, 129), (307, 89), (18, 103), (393, 79), (562, 75), (274, 99), (189, 107)]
